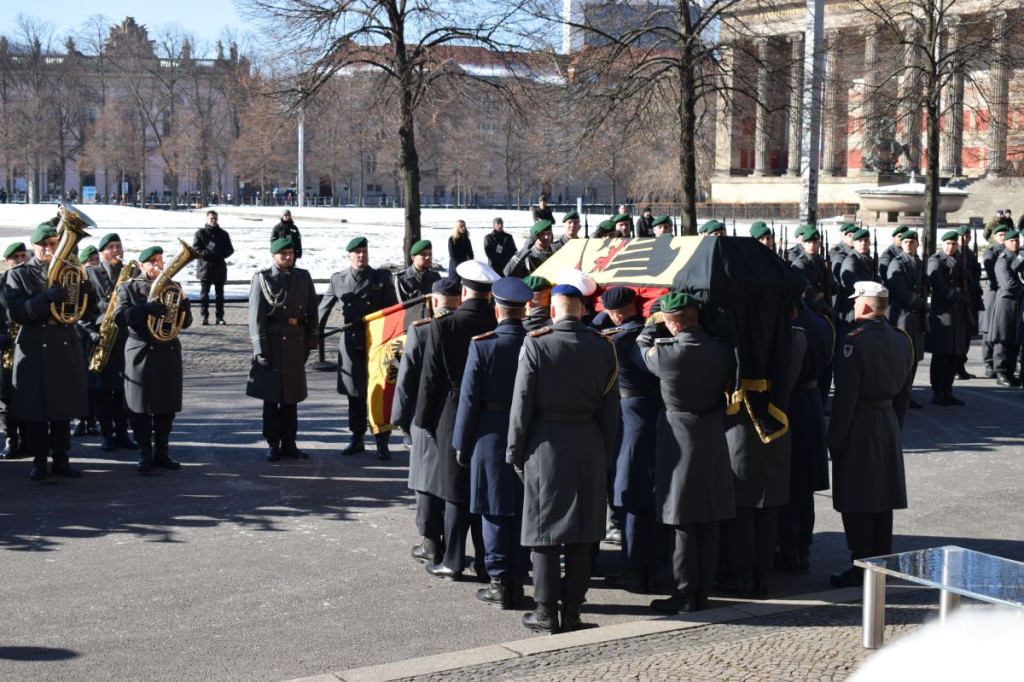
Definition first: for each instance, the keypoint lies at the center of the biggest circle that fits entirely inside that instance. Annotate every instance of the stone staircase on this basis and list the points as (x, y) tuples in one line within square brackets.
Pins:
[(988, 194)]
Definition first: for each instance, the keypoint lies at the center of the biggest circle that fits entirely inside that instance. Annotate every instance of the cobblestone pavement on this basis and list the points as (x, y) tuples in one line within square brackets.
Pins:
[(821, 644)]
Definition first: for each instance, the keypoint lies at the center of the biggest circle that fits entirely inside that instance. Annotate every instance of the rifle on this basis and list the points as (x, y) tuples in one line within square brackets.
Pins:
[(733, 227), (586, 223), (876, 253), (827, 255)]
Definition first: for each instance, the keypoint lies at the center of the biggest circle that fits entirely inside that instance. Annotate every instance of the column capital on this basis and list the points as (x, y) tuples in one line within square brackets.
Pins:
[(794, 37)]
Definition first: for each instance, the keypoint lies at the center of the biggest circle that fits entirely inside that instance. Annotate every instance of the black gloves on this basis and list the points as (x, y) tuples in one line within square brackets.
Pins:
[(463, 457), (94, 337), (262, 360), (56, 294), (155, 308)]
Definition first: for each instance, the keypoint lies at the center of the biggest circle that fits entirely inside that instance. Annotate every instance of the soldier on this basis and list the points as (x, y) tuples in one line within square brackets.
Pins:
[(571, 220), (213, 244), (565, 418), (499, 246), (693, 482), (481, 438), (839, 252), (86, 425), (538, 310), (107, 387), (870, 402), (971, 273), (14, 255), (809, 263), (988, 262), (606, 229), (536, 251), (446, 296), (908, 306), (799, 235), (764, 234), (857, 267), (623, 225), (283, 328), (712, 228), (361, 290), (662, 225), (286, 229), (48, 376), (418, 279), (1006, 316), (632, 471), (890, 252), (153, 368), (947, 320), (437, 404)]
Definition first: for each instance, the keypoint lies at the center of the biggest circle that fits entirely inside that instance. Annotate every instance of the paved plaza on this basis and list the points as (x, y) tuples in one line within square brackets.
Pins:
[(237, 569)]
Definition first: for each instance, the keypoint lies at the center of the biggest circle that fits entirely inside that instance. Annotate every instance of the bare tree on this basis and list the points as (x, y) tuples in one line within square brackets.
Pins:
[(261, 155)]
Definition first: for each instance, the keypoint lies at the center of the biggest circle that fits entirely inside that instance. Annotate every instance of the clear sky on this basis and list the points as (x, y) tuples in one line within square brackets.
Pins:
[(205, 19)]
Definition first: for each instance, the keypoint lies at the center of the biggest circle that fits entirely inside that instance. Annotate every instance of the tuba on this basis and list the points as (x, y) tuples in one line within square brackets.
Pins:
[(167, 326), (66, 270), (108, 330)]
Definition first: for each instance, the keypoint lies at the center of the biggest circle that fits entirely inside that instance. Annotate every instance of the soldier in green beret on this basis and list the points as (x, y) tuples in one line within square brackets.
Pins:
[(361, 290), (948, 319), (419, 277), (661, 225), (762, 233), (14, 255), (890, 252), (623, 225), (538, 311), (537, 250), (988, 262), (606, 228), (571, 220), (858, 266), (839, 252), (712, 228), (972, 287)]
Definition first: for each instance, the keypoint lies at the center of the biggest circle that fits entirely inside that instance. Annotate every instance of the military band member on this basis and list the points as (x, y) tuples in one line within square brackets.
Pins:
[(481, 438), (890, 252), (361, 290), (564, 423), (870, 402), (538, 310), (14, 255), (571, 221), (419, 277), (534, 253), (662, 225), (445, 298), (153, 368), (437, 404), (988, 262), (48, 375), (948, 319), (86, 425), (283, 326), (1006, 314), (693, 480), (908, 305), (107, 387)]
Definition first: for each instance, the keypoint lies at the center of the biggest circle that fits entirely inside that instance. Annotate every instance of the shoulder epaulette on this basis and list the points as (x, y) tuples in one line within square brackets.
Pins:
[(541, 332), (663, 341), (610, 331), (443, 313), (485, 335), (855, 332), (420, 323)]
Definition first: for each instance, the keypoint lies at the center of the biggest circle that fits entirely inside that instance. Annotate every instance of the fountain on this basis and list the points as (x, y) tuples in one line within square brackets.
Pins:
[(907, 199)]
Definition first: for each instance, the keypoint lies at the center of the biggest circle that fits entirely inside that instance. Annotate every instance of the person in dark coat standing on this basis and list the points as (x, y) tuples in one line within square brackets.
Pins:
[(948, 319), (360, 290), (890, 252), (286, 229), (48, 378), (460, 248), (693, 480), (542, 211), (644, 224), (1006, 315), (444, 361), (283, 326), (870, 402), (445, 298), (107, 386), (537, 250), (988, 263), (632, 470), (153, 368), (858, 266), (538, 310), (908, 305), (970, 270), (14, 255), (561, 437), (481, 438), (213, 244), (499, 246), (418, 278), (838, 253)]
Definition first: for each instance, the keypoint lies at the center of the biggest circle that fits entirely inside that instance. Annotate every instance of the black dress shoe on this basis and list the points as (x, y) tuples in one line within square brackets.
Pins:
[(383, 452), (613, 536), (570, 617), (125, 441), (1003, 380), (989, 372), (273, 453), (38, 472), (424, 553), (953, 400), (65, 470), (673, 605), (914, 405), (11, 449), (356, 447), (439, 570), (498, 593), (145, 464), (851, 577), (80, 430), (107, 445), (291, 450), (964, 375), (166, 462), (205, 322), (542, 619), (92, 430)]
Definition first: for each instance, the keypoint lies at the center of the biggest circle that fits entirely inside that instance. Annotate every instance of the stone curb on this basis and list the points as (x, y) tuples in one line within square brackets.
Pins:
[(536, 645)]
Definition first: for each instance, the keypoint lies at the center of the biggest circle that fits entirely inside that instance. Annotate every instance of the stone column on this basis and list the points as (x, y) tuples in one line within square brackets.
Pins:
[(998, 96), (831, 120), (796, 100), (869, 131), (726, 157), (910, 104), (762, 112), (953, 134)]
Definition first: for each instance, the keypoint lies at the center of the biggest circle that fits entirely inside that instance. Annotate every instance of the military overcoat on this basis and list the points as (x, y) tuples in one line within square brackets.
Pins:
[(103, 277), (908, 308), (809, 453), (1006, 316), (948, 317)]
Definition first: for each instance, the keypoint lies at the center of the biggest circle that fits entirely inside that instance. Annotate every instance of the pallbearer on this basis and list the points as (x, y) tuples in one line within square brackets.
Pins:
[(538, 310), (283, 328)]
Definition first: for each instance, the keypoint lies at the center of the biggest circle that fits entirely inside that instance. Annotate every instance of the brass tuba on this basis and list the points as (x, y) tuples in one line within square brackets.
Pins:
[(168, 325), (66, 270), (108, 330)]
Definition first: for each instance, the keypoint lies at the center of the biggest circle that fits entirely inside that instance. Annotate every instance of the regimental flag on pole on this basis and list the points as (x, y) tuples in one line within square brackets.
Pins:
[(385, 339)]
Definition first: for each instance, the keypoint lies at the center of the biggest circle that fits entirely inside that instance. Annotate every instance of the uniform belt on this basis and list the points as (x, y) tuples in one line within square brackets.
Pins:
[(874, 404), (497, 407), (283, 322), (565, 417), (807, 385), (697, 413)]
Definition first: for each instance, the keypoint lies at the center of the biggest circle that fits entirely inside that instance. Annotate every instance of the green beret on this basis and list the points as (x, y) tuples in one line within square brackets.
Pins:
[(910, 234), (150, 252), (951, 236), (87, 253), (43, 232), (622, 218), (900, 230), (711, 226), (758, 223), (661, 220), (848, 228), (279, 245), (811, 235), (106, 239), (356, 243), (420, 246), (537, 283), (605, 227), (674, 301), (759, 229), (540, 226), (1001, 227), (14, 248), (802, 230), (963, 229), (570, 215), (1013, 234), (862, 233)]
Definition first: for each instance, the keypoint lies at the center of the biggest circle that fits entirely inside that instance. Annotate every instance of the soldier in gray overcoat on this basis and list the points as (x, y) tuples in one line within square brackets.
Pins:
[(419, 277), (48, 376), (988, 263), (1005, 318), (858, 266), (562, 433), (283, 328), (908, 305), (693, 479), (14, 255), (948, 319), (153, 369), (360, 290), (872, 391)]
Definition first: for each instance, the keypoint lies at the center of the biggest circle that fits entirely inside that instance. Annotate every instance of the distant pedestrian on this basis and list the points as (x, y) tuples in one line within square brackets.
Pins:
[(214, 247), (286, 229), (542, 211), (460, 248), (499, 246)]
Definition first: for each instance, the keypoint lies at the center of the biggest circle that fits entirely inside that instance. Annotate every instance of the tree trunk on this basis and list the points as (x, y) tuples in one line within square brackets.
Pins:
[(409, 163), (687, 148), (932, 178)]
